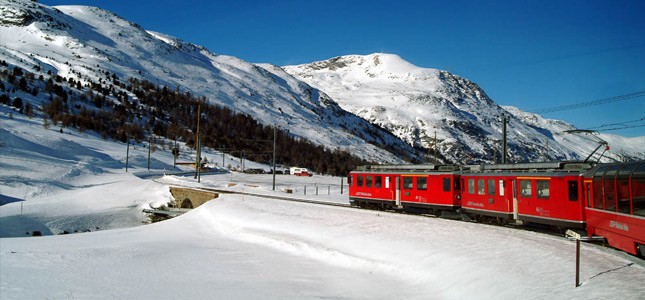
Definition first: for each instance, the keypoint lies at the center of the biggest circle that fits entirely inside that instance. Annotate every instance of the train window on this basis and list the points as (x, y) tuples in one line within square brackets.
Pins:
[(501, 187), (622, 188), (359, 180), (422, 183), (525, 189), (480, 186), (573, 190), (609, 181), (471, 186), (457, 184), (387, 182), (638, 190), (368, 181), (598, 197), (407, 183), (378, 181), (446, 184), (542, 188), (491, 187), (587, 193)]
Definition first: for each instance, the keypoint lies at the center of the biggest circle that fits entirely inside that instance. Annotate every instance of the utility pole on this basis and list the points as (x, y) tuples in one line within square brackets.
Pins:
[(505, 119), (149, 150), (274, 143), (242, 161), (199, 167), (175, 153), (435, 147), (197, 154), (127, 154)]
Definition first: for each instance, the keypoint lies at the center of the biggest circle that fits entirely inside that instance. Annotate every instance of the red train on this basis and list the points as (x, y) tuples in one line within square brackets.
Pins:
[(607, 200)]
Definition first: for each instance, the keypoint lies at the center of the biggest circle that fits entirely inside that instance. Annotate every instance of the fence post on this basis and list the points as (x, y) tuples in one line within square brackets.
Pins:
[(577, 262), (575, 235), (305, 190)]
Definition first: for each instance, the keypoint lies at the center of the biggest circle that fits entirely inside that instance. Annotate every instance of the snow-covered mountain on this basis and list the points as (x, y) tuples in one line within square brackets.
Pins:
[(344, 102), (416, 103), (86, 43)]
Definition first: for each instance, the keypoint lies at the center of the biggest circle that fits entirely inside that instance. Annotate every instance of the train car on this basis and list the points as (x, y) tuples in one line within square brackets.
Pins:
[(488, 196), (539, 193), (419, 188), (615, 207)]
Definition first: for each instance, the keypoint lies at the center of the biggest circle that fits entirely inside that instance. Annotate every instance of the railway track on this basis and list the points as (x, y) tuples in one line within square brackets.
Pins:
[(285, 198)]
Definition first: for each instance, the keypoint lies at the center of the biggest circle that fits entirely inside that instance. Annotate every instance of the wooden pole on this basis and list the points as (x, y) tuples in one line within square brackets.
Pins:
[(199, 167), (504, 120), (435, 147), (127, 154), (274, 144), (149, 150), (577, 262), (174, 156), (197, 158)]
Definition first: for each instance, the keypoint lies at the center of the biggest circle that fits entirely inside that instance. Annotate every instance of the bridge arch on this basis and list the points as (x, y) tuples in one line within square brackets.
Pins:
[(186, 203)]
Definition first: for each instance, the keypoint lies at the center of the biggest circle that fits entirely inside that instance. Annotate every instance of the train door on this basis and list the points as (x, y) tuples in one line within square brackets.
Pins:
[(515, 200), (408, 193), (397, 192), (506, 195), (587, 195), (531, 197)]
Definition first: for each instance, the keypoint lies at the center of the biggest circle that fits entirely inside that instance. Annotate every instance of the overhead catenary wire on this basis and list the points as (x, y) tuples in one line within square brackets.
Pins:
[(619, 125), (590, 103), (621, 128)]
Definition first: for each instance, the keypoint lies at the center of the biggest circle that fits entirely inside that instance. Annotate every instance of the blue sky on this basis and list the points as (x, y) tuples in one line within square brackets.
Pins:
[(529, 54)]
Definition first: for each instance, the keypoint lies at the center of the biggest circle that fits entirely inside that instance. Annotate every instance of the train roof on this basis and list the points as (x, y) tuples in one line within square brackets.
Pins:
[(575, 166), (409, 168), (542, 167)]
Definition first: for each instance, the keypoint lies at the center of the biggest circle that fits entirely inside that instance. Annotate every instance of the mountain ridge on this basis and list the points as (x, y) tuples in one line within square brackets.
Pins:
[(117, 46), (414, 103), (386, 101)]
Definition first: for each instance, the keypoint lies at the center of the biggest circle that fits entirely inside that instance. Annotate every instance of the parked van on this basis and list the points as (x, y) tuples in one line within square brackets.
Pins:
[(300, 171)]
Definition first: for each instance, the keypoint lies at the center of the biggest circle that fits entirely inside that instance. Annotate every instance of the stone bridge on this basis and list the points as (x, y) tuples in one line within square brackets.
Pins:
[(191, 197)]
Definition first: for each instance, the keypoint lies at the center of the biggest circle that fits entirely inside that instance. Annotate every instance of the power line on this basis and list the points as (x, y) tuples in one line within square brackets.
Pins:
[(621, 128), (619, 125), (589, 103)]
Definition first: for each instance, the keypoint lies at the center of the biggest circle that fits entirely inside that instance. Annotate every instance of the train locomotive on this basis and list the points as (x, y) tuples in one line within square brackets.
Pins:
[(605, 200)]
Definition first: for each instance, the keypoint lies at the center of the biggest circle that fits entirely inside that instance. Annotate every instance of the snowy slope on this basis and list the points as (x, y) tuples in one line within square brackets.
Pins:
[(91, 44), (415, 102), (620, 147), (248, 247)]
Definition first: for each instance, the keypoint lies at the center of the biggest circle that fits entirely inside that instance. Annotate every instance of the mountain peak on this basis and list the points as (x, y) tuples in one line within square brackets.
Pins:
[(372, 65), (24, 13)]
